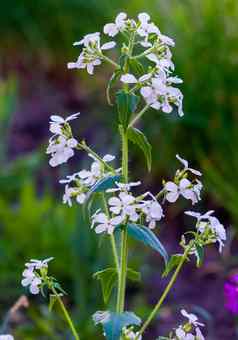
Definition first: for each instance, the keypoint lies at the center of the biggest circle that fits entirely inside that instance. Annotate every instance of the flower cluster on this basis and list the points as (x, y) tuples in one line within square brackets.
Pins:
[(61, 144), (209, 227), (6, 337), (125, 207), (157, 84), (34, 274), (189, 189), (231, 294), (91, 54), (185, 331), (78, 184)]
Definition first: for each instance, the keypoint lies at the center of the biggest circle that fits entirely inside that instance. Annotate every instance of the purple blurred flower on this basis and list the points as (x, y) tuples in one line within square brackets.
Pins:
[(231, 294)]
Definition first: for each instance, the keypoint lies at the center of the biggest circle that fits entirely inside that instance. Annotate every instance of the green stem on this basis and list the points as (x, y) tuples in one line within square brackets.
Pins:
[(66, 315), (112, 238), (139, 115), (110, 61), (165, 293), (124, 246), (86, 148)]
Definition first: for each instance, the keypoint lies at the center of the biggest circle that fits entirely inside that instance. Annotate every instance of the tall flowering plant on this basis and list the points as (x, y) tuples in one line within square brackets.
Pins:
[(142, 79)]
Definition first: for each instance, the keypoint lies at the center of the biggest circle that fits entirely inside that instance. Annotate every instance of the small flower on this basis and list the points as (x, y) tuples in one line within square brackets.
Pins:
[(160, 95), (124, 186), (231, 294), (104, 223), (206, 222), (125, 205), (153, 211), (184, 188), (31, 277), (186, 167), (131, 79), (91, 55), (113, 29), (192, 318)]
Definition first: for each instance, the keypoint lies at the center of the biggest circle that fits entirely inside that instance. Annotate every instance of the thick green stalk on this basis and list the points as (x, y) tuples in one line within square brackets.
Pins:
[(66, 315), (124, 250), (165, 293)]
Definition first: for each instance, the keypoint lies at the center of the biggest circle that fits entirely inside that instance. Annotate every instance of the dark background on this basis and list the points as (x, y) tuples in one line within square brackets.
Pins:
[(36, 44)]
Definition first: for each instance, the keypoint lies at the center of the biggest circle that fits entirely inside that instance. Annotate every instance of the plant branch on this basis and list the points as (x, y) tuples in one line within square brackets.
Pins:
[(110, 61), (165, 293), (86, 148), (66, 315), (139, 115)]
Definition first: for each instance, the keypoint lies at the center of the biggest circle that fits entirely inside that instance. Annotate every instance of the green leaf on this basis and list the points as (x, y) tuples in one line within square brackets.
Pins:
[(133, 275), (108, 278), (104, 184), (138, 138), (53, 299), (172, 263), (126, 105), (115, 76), (199, 254), (145, 235), (113, 327), (136, 67)]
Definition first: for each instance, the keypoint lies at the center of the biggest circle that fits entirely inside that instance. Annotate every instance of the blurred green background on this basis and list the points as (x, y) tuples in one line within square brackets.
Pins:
[(36, 44)]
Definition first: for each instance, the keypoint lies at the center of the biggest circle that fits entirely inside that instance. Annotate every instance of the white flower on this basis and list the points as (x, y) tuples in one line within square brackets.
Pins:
[(73, 192), (124, 186), (61, 144), (131, 79), (113, 29), (153, 211), (162, 63), (6, 337), (205, 221), (91, 55), (160, 95), (128, 78), (30, 277), (192, 318), (104, 223), (186, 167), (61, 149), (124, 205), (184, 188)]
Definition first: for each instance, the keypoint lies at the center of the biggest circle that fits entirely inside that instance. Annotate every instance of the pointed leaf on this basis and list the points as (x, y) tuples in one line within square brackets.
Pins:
[(104, 184), (108, 278), (145, 235), (172, 263), (126, 105), (113, 327), (137, 137)]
